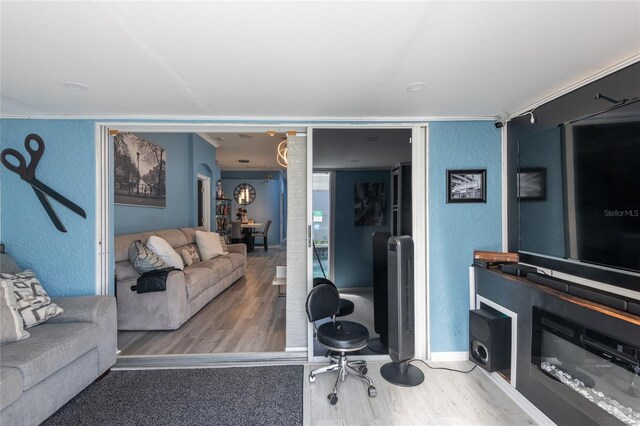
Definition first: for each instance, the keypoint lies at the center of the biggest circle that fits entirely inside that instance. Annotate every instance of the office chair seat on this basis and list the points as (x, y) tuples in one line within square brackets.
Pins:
[(342, 335), (323, 302)]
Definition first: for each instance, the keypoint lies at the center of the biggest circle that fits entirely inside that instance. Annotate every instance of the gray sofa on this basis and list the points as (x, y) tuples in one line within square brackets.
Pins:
[(62, 356), (187, 291)]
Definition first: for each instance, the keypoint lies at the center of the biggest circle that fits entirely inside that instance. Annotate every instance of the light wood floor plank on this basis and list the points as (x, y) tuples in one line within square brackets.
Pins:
[(445, 398), (247, 317)]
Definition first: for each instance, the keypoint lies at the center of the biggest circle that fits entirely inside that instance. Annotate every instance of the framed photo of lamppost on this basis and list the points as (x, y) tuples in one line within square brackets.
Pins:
[(140, 172)]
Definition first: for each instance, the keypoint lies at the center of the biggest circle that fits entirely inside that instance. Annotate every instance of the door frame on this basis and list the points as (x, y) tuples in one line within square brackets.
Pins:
[(206, 201), (420, 186)]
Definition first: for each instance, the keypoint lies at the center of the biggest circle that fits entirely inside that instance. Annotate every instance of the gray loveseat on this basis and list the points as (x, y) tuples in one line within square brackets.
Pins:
[(62, 356), (187, 291)]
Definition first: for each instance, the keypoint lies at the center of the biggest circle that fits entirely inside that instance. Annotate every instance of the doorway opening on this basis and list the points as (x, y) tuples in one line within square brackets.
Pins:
[(375, 182), (229, 336)]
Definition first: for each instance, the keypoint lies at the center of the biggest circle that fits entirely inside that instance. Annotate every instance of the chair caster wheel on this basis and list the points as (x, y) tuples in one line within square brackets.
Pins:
[(312, 378), (372, 391), (363, 370), (333, 398)]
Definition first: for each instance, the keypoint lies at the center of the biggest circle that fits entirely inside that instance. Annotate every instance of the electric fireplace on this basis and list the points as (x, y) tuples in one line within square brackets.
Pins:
[(594, 373)]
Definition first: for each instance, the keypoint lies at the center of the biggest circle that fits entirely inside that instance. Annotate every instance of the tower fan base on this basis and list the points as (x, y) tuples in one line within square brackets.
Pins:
[(402, 374)]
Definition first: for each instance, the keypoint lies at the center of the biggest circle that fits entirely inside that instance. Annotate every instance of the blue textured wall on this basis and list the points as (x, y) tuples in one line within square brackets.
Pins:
[(456, 230), (64, 262), (353, 253), (267, 203)]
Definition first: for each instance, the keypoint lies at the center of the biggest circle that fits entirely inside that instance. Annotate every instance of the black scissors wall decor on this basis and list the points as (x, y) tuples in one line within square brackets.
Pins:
[(27, 173)]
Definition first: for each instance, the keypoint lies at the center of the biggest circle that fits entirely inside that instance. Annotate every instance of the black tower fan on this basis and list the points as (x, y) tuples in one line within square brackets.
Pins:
[(401, 317)]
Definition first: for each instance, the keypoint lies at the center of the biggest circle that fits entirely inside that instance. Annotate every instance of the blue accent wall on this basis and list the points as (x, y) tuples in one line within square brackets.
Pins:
[(353, 253), (456, 230), (267, 203), (65, 263)]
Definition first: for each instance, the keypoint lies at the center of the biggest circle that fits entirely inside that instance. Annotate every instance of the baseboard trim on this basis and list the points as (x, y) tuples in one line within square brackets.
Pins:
[(450, 356), (136, 362)]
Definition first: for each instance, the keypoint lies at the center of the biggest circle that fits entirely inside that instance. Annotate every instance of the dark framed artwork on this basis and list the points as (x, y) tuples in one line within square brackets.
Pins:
[(370, 204), (140, 174), (532, 184), (467, 186)]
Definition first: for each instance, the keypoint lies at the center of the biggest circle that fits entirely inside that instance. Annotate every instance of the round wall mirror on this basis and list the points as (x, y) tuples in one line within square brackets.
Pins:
[(244, 194)]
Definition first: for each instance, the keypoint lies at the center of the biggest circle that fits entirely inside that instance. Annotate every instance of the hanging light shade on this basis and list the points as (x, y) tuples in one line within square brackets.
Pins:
[(281, 156)]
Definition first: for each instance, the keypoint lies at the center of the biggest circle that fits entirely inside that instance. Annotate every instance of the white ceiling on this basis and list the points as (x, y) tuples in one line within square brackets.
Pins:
[(259, 148), (304, 59)]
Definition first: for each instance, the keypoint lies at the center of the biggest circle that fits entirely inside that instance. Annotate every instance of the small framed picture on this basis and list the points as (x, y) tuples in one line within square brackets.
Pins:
[(467, 186), (532, 184)]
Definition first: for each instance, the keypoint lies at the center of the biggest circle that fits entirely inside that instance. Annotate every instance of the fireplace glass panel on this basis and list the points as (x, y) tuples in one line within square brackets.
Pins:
[(594, 373)]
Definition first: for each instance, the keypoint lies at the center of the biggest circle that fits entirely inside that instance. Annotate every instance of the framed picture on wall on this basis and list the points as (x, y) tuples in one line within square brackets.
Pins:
[(532, 184), (370, 204), (140, 172), (467, 186)]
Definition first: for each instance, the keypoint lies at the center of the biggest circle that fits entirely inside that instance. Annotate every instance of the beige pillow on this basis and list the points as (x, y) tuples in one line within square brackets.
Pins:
[(11, 325), (32, 301), (165, 252), (190, 255), (209, 244)]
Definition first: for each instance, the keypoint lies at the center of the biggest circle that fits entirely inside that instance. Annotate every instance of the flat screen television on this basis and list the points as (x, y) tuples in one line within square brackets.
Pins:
[(579, 197)]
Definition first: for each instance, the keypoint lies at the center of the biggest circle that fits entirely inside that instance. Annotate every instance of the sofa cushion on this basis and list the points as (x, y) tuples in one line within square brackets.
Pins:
[(11, 385), (32, 301), (11, 324), (237, 260), (197, 279), (8, 265), (50, 347)]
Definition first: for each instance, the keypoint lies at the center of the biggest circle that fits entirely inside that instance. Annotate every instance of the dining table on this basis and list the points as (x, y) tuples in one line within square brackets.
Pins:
[(247, 230)]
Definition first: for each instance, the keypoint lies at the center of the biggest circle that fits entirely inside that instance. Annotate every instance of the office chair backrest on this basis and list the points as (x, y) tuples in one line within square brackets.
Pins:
[(323, 301), (236, 230)]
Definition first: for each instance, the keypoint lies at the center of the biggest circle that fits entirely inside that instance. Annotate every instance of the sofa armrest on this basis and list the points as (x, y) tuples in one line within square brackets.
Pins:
[(238, 248), (83, 308)]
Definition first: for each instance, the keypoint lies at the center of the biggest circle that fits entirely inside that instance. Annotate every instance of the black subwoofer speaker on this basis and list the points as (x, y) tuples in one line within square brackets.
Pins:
[(490, 339)]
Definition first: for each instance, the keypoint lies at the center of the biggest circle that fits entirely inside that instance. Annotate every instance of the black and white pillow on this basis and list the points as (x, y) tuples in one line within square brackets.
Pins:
[(32, 301), (11, 324), (143, 259)]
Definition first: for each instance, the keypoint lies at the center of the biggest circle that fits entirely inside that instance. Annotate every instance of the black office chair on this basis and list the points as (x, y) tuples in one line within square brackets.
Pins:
[(339, 336), (346, 306)]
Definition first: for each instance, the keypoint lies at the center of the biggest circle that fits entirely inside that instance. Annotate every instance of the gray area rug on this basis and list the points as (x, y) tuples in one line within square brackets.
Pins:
[(211, 396)]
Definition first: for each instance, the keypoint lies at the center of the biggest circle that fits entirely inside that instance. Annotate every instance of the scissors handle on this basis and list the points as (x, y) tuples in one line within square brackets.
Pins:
[(21, 168), (60, 198), (47, 207), (35, 154)]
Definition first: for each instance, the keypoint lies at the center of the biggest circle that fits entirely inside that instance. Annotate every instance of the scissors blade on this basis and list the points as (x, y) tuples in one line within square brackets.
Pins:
[(56, 196), (47, 207)]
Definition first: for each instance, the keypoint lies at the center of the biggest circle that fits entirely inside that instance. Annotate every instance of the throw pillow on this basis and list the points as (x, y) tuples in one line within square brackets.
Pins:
[(209, 244), (32, 301), (163, 249), (190, 255), (11, 325), (223, 243), (143, 259)]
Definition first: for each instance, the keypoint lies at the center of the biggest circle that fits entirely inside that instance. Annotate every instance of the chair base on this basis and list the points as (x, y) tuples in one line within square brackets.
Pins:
[(344, 368)]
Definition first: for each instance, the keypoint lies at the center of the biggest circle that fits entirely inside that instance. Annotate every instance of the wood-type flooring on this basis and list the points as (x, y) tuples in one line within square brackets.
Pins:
[(247, 317)]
